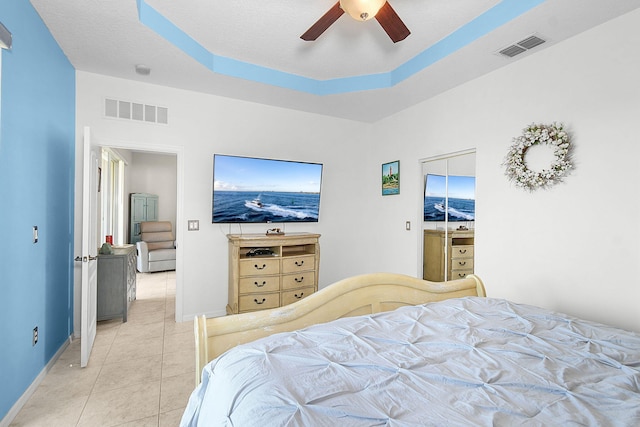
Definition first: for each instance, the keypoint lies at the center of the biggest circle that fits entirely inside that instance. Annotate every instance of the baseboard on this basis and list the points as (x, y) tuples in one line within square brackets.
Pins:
[(13, 412)]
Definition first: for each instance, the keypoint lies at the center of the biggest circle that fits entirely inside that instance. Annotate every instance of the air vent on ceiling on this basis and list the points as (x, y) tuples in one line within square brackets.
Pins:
[(135, 111), (522, 46), (512, 51)]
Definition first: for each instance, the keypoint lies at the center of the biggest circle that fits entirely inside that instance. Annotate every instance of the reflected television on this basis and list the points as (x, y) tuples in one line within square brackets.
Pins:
[(460, 203), (259, 190)]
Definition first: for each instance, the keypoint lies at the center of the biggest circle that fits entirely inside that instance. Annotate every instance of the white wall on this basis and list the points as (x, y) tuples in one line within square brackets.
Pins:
[(571, 248), (201, 125)]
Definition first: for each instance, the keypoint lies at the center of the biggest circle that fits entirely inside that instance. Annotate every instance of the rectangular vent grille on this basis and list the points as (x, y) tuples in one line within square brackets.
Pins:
[(512, 51), (530, 42), (136, 111), (522, 46)]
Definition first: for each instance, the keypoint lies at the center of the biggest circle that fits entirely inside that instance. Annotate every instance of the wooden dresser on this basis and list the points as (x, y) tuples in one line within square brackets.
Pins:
[(271, 271), (116, 283), (456, 258)]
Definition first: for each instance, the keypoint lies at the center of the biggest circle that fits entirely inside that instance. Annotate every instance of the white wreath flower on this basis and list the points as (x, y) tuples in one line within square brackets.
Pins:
[(539, 134)]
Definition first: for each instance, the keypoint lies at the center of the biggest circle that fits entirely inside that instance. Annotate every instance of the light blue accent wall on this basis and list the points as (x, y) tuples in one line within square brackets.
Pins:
[(37, 163)]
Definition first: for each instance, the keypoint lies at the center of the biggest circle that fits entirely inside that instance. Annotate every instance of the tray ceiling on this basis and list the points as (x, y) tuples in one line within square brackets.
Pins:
[(251, 50)]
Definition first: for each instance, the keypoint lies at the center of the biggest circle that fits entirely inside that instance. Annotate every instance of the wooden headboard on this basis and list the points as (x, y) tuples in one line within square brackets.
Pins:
[(364, 294)]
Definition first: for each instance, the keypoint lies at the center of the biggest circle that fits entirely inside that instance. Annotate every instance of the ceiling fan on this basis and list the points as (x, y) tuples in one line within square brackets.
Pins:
[(361, 10)]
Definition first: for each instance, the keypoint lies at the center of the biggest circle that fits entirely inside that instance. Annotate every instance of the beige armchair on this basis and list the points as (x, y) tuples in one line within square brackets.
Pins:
[(157, 248)]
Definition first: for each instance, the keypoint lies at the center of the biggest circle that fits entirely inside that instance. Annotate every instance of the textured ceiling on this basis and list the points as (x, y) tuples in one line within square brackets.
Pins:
[(251, 50)]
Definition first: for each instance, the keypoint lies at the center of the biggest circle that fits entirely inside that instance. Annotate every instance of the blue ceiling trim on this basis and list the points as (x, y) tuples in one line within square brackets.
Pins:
[(495, 17), (500, 14), (165, 28)]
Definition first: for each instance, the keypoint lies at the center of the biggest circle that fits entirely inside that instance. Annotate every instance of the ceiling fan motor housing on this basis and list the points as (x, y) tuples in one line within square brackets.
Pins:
[(362, 10)]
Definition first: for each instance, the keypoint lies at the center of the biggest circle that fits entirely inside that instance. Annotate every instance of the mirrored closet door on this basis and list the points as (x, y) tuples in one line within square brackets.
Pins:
[(448, 216)]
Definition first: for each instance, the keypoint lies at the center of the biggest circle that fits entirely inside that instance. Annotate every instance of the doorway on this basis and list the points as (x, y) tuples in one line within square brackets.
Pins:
[(178, 153), (448, 214)]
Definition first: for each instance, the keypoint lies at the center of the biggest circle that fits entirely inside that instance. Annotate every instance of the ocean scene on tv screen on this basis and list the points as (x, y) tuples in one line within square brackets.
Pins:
[(263, 190), (461, 200)]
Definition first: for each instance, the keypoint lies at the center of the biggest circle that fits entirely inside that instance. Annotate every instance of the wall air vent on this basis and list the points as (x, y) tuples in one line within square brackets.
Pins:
[(522, 46), (127, 110)]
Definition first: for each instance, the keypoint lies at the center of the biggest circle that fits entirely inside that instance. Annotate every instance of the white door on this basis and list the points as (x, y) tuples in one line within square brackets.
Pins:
[(89, 309)]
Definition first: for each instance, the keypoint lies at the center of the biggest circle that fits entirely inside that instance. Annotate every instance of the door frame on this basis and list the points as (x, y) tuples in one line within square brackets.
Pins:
[(179, 231)]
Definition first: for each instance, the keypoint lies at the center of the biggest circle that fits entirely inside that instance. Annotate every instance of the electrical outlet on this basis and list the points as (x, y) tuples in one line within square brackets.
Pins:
[(35, 335)]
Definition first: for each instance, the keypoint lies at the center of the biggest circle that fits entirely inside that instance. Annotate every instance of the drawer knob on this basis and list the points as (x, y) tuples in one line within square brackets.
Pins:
[(462, 262), (259, 284), (299, 280), (462, 251), (259, 302), (300, 263), (299, 297), (260, 268)]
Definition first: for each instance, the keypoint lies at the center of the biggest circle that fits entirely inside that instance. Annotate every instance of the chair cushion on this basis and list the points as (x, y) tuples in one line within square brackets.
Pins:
[(162, 255), (157, 234), (154, 246), (155, 226)]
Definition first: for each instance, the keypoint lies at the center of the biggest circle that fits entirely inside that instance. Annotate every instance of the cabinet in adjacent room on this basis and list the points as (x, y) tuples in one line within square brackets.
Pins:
[(448, 255), (144, 207), (116, 283), (271, 271)]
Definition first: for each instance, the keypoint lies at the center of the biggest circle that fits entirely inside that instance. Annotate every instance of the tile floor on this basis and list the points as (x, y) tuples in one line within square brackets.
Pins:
[(140, 373)]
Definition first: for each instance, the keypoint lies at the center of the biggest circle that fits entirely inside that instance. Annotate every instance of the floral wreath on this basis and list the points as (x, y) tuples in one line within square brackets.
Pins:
[(539, 134)]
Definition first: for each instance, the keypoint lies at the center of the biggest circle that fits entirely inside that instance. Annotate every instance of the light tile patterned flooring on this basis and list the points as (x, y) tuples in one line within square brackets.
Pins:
[(140, 373)]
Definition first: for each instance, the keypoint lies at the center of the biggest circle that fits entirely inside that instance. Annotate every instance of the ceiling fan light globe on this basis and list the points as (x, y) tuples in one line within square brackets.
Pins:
[(362, 10)]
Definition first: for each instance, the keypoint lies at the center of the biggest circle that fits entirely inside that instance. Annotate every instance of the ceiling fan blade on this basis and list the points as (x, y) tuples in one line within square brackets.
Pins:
[(323, 23), (392, 24)]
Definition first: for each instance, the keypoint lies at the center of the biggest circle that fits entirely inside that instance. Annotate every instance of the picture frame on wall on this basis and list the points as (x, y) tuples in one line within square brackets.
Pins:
[(391, 178)]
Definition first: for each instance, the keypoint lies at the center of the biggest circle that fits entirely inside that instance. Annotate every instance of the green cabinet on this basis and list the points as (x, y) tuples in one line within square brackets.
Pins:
[(144, 207)]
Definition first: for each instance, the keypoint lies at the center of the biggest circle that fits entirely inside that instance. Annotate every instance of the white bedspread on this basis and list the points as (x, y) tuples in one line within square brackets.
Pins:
[(469, 361)]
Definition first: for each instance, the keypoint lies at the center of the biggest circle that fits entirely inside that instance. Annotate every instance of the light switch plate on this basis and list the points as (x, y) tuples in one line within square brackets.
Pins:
[(193, 225)]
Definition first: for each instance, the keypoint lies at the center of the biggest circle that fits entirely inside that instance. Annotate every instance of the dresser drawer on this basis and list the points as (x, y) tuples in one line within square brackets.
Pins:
[(460, 274), (259, 284), (259, 301), (259, 267), (462, 251), (461, 264), (292, 296), (303, 279), (298, 263)]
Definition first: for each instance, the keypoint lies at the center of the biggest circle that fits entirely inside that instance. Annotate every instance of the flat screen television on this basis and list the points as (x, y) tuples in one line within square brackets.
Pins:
[(461, 200), (257, 190)]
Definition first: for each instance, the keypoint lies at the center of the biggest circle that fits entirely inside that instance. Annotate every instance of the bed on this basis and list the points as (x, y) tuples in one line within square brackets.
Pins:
[(391, 350)]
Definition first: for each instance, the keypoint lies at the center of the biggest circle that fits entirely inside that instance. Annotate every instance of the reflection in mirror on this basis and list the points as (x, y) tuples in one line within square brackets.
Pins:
[(449, 216)]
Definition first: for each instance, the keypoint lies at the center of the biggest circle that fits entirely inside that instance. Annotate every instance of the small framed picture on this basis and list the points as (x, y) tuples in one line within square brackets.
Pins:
[(391, 178)]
